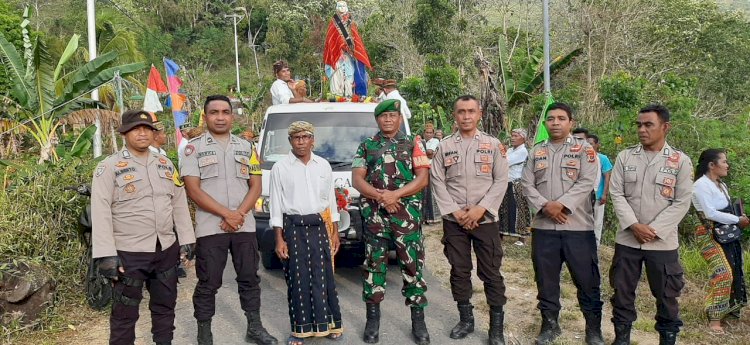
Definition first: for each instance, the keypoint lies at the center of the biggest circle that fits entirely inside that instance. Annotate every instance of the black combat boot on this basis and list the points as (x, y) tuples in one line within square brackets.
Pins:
[(550, 327), (667, 338), (465, 323), (255, 331), (418, 327), (164, 343), (372, 327), (204, 333), (496, 326), (622, 334), (594, 328)]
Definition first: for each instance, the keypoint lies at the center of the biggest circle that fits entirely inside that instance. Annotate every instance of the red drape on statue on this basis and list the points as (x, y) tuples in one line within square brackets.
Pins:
[(336, 45)]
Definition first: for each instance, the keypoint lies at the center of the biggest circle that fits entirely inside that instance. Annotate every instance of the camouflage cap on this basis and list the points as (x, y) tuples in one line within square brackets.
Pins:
[(301, 126), (388, 105)]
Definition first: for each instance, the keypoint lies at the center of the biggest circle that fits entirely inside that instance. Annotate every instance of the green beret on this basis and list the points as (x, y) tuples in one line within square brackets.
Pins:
[(388, 105)]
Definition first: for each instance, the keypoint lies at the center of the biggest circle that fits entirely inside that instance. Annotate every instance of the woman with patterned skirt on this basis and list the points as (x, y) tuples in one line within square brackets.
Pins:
[(726, 295)]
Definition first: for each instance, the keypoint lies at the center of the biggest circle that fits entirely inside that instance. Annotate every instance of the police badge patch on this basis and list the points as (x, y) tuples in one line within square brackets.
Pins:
[(189, 150), (99, 170)]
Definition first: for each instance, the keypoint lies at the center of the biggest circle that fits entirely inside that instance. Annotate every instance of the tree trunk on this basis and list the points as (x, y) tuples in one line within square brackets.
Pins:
[(492, 101)]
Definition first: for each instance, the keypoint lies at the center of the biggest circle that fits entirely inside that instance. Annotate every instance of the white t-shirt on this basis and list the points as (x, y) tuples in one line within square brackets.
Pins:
[(708, 198), (280, 92)]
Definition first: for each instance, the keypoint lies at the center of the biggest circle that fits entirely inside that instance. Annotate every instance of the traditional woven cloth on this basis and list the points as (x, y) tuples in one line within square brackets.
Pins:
[(313, 301), (726, 288), (514, 212)]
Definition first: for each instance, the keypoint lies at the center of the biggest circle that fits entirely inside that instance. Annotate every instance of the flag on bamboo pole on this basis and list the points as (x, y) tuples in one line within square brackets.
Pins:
[(541, 128), (177, 101), (154, 87)]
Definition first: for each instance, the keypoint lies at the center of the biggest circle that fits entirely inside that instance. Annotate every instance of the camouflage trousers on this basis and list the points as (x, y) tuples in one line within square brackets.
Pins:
[(407, 237)]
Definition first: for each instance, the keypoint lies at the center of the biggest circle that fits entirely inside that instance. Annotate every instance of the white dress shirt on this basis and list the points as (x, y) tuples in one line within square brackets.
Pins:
[(708, 198), (280, 92), (301, 189), (404, 107), (516, 160)]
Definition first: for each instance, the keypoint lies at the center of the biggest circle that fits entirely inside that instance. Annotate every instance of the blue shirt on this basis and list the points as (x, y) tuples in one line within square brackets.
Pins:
[(606, 167)]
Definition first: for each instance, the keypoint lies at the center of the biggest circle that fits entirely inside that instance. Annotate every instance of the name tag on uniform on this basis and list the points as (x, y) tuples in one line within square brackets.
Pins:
[(207, 160), (669, 170), (629, 168)]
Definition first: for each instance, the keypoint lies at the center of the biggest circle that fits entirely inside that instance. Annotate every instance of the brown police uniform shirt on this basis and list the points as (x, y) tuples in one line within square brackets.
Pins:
[(133, 205), (469, 173), (655, 191), (565, 174), (224, 176)]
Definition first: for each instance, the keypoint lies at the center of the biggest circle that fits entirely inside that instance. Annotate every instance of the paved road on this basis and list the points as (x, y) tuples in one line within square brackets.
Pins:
[(229, 324)]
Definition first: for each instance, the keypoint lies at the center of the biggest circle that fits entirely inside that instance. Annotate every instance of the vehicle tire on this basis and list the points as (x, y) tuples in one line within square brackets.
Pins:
[(270, 260)]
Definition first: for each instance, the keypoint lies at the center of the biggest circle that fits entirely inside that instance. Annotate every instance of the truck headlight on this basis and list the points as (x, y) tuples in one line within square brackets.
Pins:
[(262, 206)]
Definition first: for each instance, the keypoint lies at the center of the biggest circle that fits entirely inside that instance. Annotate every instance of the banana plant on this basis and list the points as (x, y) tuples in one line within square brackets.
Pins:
[(39, 93), (520, 86)]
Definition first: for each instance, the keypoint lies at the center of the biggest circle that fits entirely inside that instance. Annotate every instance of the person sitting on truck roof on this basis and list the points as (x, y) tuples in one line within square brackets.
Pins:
[(281, 89)]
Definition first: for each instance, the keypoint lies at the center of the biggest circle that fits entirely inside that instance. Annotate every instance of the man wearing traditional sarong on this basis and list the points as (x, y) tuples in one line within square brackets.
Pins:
[(301, 190), (389, 170), (514, 211), (345, 56)]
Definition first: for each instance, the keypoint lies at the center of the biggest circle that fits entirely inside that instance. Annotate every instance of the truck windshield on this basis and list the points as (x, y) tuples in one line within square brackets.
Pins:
[(337, 136)]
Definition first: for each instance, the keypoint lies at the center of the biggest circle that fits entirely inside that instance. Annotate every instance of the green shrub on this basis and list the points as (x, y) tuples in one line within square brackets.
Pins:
[(39, 224)]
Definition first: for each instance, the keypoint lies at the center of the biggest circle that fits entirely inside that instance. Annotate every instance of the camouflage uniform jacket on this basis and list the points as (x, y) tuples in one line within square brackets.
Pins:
[(391, 164)]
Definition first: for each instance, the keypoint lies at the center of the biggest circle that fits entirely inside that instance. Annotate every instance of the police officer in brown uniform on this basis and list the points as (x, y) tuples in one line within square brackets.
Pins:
[(558, 180), (651, 188), (137, 200), (222, 176), (469, 180)]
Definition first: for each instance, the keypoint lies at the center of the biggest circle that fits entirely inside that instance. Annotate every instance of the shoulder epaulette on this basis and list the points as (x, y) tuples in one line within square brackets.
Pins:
[(196, 138)]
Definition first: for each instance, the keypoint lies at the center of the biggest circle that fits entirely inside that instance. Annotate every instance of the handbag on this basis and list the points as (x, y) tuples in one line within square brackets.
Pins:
[(728, 233)]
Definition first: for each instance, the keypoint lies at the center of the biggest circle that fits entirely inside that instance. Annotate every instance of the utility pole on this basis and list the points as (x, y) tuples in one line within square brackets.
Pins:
[(235, 19), (547, 88), (91, 19)]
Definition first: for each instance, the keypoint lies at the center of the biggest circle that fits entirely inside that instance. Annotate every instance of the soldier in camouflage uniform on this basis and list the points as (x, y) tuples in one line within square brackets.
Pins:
[(390, 170)]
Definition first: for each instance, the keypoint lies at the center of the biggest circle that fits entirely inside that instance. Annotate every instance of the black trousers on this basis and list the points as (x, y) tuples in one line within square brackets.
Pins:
[(665, 278), (577, 249), (211, 259), (157, 271), (488, 248)]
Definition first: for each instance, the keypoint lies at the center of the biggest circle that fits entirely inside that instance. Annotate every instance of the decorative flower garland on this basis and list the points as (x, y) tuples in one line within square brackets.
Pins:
[(342, 198)]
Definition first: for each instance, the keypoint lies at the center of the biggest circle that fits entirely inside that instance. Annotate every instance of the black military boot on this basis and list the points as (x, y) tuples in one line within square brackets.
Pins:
[(204, 333), (550, 327), (594, 328), (164, 343), (372, 327), (465, 323), (418, 327), (496, 326), (255, 331), (667, 338), (622, 334)]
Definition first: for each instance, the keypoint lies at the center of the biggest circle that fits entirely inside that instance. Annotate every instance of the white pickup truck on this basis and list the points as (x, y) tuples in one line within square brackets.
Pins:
[(339, 129)]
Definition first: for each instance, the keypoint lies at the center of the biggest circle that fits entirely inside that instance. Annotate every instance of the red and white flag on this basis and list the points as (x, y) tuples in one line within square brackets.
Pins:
[(155, 86)]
